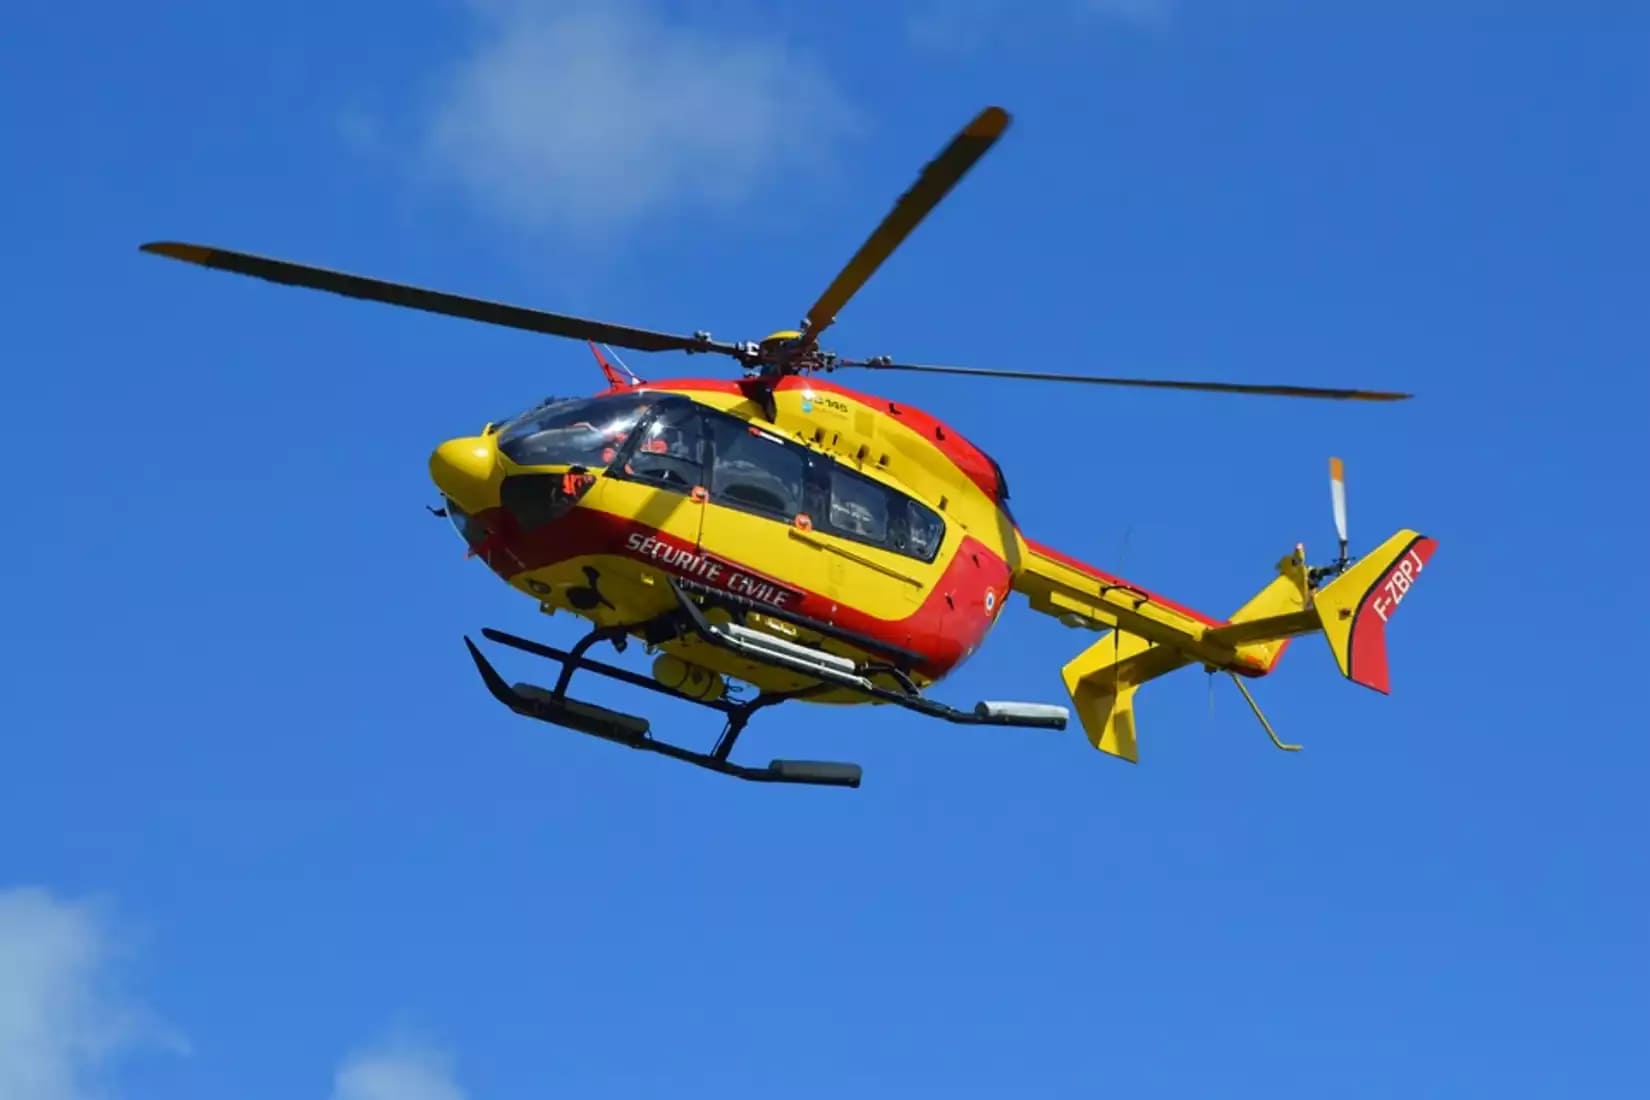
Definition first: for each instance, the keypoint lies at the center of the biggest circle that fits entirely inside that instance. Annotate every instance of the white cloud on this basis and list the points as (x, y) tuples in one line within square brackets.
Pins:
[(397, 1071), (583, 115), (62, 1021), (65, 1023), (951, 26), (361, 130), (962, 26)]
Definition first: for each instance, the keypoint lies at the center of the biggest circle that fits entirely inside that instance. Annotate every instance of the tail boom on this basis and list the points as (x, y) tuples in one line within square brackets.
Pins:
[(1081, 595), (1150, 636)]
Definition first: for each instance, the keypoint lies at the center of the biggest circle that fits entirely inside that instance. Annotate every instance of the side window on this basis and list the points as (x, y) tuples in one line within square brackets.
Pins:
[(669, 451), (872, 512), (924, 530), (859, 506), (755, 470)]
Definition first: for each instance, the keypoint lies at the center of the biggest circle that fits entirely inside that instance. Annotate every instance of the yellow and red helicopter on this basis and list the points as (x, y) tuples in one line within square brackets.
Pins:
[(775, 537)]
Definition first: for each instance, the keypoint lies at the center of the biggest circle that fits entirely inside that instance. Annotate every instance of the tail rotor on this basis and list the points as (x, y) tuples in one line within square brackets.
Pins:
[(1318, 574)]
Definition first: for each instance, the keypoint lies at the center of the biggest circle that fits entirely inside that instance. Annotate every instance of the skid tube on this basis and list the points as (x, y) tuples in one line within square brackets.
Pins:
[(555, 707)]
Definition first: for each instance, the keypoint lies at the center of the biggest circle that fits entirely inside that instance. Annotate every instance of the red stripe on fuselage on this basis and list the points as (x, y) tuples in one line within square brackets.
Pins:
[(949, 624)]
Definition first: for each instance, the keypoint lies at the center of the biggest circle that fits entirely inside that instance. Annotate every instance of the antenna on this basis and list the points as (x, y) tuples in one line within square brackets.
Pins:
[(613, 377), (634, 381)]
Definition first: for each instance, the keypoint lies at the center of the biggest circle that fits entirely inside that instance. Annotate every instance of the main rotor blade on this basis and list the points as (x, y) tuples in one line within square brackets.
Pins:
[(432, 301), (1151, 383), (938, 177)]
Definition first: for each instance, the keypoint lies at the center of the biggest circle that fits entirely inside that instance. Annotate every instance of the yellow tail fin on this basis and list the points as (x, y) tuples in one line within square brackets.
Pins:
[(1354, 608)]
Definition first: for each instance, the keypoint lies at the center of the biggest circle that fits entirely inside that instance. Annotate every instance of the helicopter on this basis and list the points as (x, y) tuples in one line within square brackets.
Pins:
[(775, 537)]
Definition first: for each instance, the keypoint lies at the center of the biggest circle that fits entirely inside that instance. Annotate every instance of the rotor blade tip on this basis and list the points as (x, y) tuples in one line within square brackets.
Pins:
[(192, 253), (989, 123)]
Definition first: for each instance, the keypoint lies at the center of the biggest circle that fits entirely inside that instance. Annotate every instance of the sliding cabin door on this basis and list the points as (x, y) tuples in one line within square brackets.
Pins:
[(809, 533), (756, 509)]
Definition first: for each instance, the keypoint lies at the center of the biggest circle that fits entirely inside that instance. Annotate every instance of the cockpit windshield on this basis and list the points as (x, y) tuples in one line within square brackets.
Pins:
[(585, 431)]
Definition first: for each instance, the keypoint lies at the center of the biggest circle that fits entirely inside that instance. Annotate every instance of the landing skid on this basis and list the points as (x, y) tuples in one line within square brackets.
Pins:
[(830, 671), (555, 707)]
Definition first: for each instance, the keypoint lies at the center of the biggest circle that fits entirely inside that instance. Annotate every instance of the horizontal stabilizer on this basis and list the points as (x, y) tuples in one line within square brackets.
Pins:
[(1102, 679)]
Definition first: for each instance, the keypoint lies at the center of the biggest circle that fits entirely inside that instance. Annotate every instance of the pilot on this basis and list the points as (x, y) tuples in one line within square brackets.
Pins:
[(667, 454)]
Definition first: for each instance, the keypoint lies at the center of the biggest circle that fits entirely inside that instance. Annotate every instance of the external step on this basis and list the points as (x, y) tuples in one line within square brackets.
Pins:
[(779, 645), (763, 646)]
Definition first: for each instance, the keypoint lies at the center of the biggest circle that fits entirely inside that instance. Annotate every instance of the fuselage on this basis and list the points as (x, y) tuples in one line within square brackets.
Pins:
[(860, 514)]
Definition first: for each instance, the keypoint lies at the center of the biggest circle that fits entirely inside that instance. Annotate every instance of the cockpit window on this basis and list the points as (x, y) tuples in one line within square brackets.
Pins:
[(669, 450), (468, 529), (581, 431)]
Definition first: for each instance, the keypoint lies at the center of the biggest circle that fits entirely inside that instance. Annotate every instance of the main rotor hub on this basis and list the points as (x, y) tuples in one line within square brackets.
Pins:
[(786, 352)]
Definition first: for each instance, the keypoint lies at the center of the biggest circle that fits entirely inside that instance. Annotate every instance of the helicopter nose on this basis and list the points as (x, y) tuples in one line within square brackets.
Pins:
[(466, 471)]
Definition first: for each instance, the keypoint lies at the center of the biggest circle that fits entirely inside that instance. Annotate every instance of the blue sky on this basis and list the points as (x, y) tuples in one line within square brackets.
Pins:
[(264, 835)]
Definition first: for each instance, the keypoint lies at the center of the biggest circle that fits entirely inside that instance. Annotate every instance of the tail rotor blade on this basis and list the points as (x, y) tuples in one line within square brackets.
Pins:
[(1337, 496)]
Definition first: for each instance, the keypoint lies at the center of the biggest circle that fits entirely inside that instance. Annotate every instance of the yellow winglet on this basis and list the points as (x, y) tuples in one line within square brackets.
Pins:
[(1109, 720), (1101, 682)]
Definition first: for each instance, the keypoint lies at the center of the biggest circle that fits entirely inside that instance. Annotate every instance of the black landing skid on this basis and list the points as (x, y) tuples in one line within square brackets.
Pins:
[(829, 672)]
